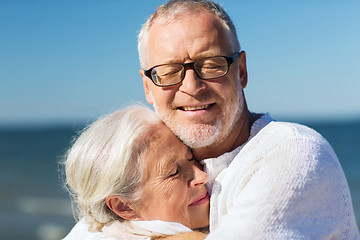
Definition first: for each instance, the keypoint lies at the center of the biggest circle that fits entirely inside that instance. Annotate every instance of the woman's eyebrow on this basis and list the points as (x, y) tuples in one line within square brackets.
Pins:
[(165, 165)]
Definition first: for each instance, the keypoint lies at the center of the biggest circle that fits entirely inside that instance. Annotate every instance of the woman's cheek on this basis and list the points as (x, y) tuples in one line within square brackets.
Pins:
[(165, 188)]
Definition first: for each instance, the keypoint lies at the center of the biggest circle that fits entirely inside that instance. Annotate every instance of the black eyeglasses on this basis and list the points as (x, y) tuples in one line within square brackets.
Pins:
[(173, 73)]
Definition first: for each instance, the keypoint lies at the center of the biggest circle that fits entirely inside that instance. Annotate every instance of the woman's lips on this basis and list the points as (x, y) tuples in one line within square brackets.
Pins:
[(200, 200)]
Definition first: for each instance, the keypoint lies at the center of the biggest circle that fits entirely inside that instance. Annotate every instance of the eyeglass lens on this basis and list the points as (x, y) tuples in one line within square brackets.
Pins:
[(208, 68)]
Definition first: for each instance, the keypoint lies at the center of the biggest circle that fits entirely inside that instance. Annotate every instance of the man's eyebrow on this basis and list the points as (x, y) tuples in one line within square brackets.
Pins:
[(196, 58), (207, 54), (170, 61)]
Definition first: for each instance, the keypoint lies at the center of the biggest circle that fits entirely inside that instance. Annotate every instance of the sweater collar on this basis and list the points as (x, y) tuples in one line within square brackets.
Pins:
[(213, 166)]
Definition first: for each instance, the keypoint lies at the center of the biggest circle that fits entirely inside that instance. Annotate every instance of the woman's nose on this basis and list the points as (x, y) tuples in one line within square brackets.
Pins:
[(199, 177)]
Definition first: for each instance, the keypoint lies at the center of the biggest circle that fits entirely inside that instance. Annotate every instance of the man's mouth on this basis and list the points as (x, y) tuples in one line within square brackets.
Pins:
[(195, 108)]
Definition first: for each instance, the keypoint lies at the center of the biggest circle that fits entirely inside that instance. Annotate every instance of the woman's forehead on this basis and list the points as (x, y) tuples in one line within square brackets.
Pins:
[(164, 152)]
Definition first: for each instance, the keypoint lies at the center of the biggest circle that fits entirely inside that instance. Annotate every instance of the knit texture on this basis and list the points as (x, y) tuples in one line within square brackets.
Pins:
[(285, 182)]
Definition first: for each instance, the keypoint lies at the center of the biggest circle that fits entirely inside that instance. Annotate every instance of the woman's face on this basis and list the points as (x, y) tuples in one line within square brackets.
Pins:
[(174, 184)]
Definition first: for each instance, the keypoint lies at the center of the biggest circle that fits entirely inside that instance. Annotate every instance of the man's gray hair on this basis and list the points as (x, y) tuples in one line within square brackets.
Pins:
[(173, 8), (106, 160)]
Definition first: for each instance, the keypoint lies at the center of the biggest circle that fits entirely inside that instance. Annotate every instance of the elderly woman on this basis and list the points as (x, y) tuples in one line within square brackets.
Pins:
[(128, 169)]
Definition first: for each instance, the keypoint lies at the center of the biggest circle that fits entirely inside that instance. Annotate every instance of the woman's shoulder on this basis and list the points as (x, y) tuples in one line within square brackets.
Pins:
[(81, 232)]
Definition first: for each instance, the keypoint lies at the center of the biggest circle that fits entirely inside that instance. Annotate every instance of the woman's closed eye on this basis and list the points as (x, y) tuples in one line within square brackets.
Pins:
[(174, 173)]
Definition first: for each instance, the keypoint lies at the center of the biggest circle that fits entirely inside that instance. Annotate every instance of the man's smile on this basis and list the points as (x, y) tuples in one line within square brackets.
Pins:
[(195, 108)]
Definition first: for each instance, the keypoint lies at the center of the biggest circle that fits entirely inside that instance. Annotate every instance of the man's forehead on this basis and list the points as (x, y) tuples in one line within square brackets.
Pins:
[(178, 12), (177, 41), (183, 15)]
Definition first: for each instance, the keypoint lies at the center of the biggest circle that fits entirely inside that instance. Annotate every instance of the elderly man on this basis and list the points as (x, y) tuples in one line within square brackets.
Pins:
[(270, 180)]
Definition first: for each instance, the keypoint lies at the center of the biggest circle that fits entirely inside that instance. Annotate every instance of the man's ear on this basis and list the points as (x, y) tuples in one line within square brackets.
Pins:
[(242, 69), (146, 82), (121, 207)]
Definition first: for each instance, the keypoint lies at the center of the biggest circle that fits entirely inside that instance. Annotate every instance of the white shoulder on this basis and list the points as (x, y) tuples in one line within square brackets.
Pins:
[(80, 232), (286, 180)]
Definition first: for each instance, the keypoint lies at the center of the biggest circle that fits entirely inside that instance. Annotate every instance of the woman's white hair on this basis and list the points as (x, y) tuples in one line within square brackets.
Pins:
[(105, 160), (173, 8)]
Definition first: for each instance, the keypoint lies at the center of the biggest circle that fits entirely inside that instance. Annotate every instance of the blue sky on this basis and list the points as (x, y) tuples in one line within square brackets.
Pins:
[(69, 61)]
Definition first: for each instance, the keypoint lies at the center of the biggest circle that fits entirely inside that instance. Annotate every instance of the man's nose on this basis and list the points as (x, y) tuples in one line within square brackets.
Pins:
[(191, 83)]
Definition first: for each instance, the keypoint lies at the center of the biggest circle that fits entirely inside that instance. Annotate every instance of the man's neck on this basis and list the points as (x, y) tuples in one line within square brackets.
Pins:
[(239, 135)]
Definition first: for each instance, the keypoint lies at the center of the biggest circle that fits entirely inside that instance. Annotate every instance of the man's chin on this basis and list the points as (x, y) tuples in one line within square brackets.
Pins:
[(194, 134), (198, 136)]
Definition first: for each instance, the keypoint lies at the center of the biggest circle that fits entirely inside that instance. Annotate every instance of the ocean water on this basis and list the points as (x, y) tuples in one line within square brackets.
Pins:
[(33, 204)]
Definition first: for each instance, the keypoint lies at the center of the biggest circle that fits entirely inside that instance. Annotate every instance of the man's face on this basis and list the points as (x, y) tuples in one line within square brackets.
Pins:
[(200, 112)]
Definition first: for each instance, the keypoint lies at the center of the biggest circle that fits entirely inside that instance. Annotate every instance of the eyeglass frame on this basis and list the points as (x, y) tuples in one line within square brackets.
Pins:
[(191, 65)]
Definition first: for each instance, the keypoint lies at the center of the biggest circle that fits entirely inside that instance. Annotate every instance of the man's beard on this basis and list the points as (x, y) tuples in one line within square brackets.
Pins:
[(196, 135), (199, 135)]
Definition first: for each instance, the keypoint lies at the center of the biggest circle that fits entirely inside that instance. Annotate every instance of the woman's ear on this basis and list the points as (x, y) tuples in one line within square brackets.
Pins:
[(121, 207)]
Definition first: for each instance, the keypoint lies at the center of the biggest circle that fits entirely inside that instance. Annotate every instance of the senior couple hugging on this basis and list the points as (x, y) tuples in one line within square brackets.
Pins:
[(202, 166)]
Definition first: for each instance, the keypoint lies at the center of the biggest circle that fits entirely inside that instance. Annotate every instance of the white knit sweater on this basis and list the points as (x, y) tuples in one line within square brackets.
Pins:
[(285, 182)]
